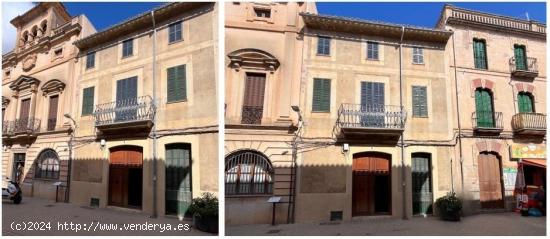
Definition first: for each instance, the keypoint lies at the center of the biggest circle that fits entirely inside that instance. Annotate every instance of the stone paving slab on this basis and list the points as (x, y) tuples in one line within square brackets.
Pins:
[(36, 213), (495, 224)]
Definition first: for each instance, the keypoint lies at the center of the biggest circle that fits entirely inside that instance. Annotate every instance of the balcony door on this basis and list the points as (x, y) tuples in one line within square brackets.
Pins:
[(253, 104), (525, 103), (484, 109), (372, 104), (52, 112), (178, 179), (422, 183), (490, 180), (24, 112), (126, 99), (521, 57)]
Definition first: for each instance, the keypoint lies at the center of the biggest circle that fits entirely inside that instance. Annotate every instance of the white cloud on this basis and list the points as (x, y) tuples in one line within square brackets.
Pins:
[(10, 10)]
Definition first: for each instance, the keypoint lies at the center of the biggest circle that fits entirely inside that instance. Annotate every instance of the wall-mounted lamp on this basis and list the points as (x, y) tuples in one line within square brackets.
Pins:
[(102, 143), (345, 148)]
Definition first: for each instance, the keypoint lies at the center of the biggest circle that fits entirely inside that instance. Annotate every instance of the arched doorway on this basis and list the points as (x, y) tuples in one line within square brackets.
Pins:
[(248, 172), (490, 180), (371, 184), (126, 176)]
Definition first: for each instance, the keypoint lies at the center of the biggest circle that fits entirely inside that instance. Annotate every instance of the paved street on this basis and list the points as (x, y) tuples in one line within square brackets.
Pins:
[(510, 224), (32, 211)]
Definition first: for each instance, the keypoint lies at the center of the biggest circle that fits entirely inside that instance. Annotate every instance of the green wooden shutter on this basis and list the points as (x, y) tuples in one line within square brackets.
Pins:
[(88, 101), (480, 57), (321, 95), (519, 53), (171, 84), (484, 109), (419, 101), (176, 84), (181, 87), (525, 103)]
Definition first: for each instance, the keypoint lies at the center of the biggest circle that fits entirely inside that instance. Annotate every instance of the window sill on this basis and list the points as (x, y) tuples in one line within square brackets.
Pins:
[(420, 64), (176, 101), (126, 57), (90, 68), (324, 55), (420, 117), (368, 59), (175, 42), (248, 195), (317, 112)]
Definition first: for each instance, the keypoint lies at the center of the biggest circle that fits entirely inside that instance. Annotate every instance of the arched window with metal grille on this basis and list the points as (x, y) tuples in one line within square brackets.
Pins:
[(47, 165), (248, 172)]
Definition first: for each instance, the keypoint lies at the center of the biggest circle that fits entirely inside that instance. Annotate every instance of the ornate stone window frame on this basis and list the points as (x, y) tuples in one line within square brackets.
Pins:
[(52, 87), (254, 59)]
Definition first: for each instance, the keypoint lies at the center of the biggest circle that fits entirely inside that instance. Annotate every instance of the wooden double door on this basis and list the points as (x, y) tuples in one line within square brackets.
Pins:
[(126, 176), (371, 194), (490, 181)]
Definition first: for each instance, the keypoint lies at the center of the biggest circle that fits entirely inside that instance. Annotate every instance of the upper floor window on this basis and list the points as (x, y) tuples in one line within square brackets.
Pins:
[(47, 165), (418, 55), (323, 46), (7, 73), (248, 173), (88, 101), (58, 52), (321, 95), (520, 57), (128, 48), (177, 87), (480, 54), (262, 12), (419, 101), (484, 108), (372, 50), (90, 60), (174, 32)]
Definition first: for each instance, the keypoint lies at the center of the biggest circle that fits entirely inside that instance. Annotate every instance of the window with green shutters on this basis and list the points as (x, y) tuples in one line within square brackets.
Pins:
[(177, 85), (88, 101), (480, 54), (484, 108), (419, 101), (521, 58), (321, 95), (525, 103)]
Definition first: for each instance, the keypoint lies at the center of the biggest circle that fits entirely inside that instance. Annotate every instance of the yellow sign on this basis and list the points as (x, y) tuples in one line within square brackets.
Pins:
[(528, 151)]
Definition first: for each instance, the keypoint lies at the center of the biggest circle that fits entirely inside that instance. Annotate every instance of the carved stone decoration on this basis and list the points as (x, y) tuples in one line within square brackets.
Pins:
[(29, 62), (5, 101), (253, 58), (52, 86), (24, 82)]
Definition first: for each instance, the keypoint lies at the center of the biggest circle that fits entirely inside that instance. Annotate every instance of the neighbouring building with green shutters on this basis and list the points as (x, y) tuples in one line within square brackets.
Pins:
[(145, 99), (499, 105)]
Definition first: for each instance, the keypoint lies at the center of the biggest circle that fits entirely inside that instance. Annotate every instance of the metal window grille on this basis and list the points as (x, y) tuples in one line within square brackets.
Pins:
[(47, 165), (248, 173)]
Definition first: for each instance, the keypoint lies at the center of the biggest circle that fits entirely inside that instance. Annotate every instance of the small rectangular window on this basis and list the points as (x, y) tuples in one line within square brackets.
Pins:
[(174, 32), (323, 46), (419, 101), (7, 73), (128, 48), (321, 95), (88, 101), (176, 85), (480, 54), (90, 60), (263, 13), (58, 52), (372, 50), (418, 55)]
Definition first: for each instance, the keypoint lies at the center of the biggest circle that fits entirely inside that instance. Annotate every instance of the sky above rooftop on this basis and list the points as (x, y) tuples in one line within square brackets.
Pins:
[(105, 14)]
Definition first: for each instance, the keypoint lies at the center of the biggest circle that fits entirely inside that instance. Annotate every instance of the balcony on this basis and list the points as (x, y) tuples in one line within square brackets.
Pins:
[(252, 115), (125, 116), (20, 127), (487, 122), (529, 124), (356, 120), (527, 69)]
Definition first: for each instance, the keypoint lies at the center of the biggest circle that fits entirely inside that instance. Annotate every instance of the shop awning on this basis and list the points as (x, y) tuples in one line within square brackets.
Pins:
[(534, 162)]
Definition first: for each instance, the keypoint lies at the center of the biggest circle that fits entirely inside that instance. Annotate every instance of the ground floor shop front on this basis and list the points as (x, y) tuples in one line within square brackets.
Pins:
[(120, 173)]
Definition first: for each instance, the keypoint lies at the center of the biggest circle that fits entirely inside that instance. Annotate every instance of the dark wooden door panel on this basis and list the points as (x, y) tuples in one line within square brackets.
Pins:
[(490, 181), (25, 109), (253, 101), (371, 185), (52, 112), (125, 176)]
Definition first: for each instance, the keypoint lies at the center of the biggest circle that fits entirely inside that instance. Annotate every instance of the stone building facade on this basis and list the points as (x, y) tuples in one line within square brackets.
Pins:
[(263, 59), (498, 68), (37, 85), (145, 105)]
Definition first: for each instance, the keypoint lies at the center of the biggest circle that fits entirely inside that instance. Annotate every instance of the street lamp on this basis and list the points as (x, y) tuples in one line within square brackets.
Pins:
[(291, 209), (73, 129)]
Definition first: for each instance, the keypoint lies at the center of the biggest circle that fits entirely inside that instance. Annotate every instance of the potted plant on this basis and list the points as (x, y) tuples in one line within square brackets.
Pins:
[(449, 207), (205, 212)]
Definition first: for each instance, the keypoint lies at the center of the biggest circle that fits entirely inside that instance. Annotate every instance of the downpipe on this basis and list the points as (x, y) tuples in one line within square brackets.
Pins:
[(461, 159), (154, 118), (403, 170)]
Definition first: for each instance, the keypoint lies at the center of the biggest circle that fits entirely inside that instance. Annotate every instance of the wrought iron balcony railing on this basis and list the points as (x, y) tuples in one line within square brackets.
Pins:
[(527, 67), (487, 120), (21, 126), (371, 116), (252, 115), (529, 122), (124, 111)]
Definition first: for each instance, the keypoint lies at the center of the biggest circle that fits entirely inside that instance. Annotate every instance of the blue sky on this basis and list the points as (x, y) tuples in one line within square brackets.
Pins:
[(105, 14), (426, 14)]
